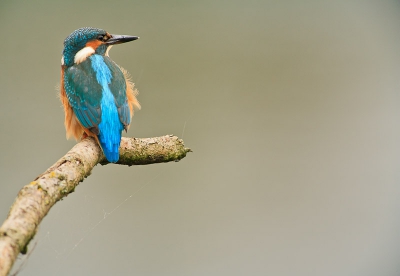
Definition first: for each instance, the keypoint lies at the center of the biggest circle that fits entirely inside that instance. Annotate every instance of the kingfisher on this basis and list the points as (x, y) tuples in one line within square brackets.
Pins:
[(97, 94)]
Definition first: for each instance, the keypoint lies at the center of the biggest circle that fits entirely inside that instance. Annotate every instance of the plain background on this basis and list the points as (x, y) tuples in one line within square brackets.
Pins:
[(292, 109)]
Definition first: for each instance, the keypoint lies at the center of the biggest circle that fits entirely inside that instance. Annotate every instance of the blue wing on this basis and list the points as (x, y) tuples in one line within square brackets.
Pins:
[(96, 90), (84, 94), (118, 89)]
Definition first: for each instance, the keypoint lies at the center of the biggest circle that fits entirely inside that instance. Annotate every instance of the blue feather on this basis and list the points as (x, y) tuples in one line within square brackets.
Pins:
[(110, 127)]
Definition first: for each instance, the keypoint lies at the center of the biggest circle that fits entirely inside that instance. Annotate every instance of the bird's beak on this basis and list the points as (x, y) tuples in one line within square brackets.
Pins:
[(118, 39)]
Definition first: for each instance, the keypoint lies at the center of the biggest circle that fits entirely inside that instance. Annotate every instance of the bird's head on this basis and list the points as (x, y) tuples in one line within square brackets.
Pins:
[(87, 41)]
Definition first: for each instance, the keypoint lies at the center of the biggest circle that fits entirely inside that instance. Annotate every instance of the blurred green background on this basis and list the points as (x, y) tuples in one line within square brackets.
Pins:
[(292, 109)]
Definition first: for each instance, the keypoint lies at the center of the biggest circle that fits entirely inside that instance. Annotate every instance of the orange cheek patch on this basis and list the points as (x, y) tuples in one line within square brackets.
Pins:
[(94, 44)]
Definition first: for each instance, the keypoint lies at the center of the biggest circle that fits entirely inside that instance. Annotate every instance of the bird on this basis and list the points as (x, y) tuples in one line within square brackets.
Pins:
[(97, 94)]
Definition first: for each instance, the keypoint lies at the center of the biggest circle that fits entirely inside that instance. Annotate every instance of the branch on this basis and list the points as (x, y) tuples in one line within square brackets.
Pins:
[(35, 199)]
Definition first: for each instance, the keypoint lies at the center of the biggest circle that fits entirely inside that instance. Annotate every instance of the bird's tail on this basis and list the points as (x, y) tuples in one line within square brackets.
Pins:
[(110, 147)]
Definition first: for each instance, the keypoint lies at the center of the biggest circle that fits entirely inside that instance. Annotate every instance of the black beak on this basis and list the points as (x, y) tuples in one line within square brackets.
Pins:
[(118, 39)]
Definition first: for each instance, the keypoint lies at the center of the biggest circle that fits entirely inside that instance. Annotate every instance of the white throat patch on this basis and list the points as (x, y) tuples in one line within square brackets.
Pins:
[(83, 54), (108, 50)]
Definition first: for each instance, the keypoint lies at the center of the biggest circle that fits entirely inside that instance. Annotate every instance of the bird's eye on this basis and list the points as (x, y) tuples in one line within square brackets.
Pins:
[(100, 37)]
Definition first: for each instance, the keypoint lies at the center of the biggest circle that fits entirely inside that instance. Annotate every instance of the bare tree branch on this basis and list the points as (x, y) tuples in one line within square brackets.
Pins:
[(35, 199)]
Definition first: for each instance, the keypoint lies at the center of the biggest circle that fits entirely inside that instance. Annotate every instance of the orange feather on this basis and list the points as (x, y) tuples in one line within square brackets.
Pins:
[(94, 44), (131, 92)]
